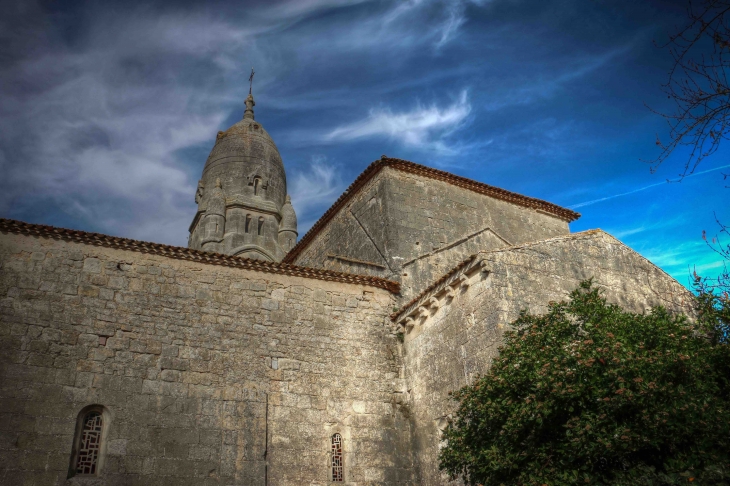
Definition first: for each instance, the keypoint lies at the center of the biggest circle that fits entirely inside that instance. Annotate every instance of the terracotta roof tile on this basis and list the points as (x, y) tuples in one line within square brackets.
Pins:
[(180, 253), (422, 170)]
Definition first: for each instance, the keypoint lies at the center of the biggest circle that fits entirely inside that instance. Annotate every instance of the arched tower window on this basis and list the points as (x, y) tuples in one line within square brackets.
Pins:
[(248, 223), (87, 456), (261, 224), (337, 459), (256, 185)]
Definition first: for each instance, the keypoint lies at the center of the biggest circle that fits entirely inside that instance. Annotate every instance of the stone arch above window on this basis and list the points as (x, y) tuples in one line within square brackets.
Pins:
[(338, 463), (87, 455)]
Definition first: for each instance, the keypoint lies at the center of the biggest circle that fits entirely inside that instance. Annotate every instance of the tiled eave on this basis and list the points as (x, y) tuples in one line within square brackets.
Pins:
[(187, 254)]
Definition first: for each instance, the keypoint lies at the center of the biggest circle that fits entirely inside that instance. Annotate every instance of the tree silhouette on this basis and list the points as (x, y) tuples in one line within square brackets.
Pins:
[(699, 86)]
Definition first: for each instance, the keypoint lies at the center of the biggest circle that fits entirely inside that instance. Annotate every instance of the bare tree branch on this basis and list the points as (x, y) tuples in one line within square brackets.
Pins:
[(699, 86), (720, 244)]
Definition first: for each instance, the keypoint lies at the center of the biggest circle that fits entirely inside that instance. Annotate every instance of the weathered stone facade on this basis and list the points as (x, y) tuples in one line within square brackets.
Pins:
[(408, 227), (453, 329), (131, 363), (211, 374)]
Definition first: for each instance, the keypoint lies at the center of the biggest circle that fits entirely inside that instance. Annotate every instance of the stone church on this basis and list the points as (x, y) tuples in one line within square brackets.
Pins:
[(251, 358)]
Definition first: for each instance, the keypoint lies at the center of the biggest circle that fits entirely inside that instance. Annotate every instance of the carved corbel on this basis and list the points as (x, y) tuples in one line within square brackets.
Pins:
[(434, 303), (450, 294), (423, 312), (409, 323), (461, 282), (199, 192)]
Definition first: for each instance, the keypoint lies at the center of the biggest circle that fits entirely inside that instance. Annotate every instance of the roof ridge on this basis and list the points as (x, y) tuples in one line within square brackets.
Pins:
[(188, 254), (568, 236), (413, 168)]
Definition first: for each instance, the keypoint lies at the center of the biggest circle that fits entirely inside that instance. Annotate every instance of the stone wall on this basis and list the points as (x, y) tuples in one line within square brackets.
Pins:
[(217, 375), (415, 229), (355, 240), (210, 374), (458, 325)]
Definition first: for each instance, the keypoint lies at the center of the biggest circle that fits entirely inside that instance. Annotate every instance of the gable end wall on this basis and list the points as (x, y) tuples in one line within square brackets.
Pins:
[(415, 228), (451, 344)]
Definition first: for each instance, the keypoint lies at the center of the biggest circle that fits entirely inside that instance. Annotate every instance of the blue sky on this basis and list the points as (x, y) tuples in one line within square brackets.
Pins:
[(108, 112)]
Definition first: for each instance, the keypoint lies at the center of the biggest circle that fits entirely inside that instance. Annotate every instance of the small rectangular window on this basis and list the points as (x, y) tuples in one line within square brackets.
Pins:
[(86, 457), (337, 459)]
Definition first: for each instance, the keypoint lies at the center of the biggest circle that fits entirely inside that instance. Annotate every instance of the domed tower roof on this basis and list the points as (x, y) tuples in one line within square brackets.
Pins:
[(243, 207), (248, 164)]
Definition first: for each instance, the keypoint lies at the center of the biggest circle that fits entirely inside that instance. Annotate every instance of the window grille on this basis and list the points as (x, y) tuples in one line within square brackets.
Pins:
[(88, 453), (337, 459)]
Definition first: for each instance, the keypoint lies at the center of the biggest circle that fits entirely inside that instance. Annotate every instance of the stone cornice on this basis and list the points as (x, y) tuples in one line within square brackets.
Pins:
[(457, 278), (187, 254), (261, 205), (421, 170)]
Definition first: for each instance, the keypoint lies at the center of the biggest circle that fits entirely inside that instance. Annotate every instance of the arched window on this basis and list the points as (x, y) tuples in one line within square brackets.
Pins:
[(337, 459), (256, 185), (261, 224), (87, 457), (248, 223)]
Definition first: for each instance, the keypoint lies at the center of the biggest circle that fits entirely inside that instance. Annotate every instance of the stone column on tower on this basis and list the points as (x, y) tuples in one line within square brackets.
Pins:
[(214, 220), (288, 226)]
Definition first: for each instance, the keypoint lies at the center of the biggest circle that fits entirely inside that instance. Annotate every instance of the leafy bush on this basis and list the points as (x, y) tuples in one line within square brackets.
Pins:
[(591, 394)]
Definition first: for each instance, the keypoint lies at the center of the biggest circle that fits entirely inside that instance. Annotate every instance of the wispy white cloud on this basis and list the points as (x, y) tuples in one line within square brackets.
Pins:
[(454, 20), (545, 81), (680, 259), (652, 225), (297, 8), (644, 188), (314, 189), (451, 15), (423, 126), (99, 122), (99, 130)]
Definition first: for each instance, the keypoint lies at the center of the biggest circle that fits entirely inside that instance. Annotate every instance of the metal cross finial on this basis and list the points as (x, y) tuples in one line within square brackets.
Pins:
[(250, 81)]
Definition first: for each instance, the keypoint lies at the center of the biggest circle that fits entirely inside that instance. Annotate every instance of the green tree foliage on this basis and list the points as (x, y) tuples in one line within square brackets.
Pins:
[(712, 305), (591, 394)]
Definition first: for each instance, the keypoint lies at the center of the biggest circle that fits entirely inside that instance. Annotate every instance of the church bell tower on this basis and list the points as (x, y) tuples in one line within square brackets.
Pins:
[(243, 205)]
